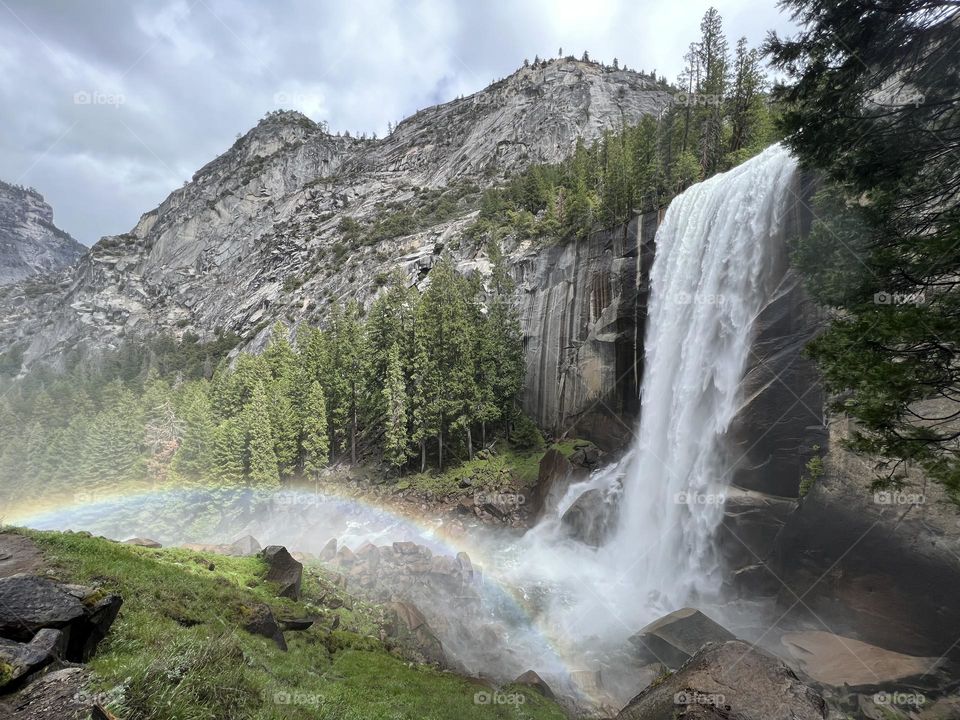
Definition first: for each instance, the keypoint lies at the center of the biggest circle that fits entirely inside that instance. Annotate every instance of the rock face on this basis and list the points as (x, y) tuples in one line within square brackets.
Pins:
[(262, 232), (591, 518), (582, 310), (881, 567), (675, 638), (728, 680), (839, 661), (30, 244)]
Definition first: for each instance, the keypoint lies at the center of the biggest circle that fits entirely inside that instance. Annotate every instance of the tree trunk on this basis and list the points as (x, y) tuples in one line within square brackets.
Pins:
[(483, 433), (353, 437), (469, 444), (440, 450), (423, 456)]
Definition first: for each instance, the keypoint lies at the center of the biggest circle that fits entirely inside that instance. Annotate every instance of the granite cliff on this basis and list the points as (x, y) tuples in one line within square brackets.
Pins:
[(30, 244)]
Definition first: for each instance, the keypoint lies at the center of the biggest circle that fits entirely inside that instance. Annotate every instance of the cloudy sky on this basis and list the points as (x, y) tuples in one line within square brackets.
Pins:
[(108, 105)]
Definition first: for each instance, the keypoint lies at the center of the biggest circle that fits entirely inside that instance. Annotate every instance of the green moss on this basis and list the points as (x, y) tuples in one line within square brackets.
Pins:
[(176, 650), (6, 673)]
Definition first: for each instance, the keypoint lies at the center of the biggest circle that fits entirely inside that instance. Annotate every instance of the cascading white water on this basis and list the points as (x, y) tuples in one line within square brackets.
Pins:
[(712, 272), (711, 275)]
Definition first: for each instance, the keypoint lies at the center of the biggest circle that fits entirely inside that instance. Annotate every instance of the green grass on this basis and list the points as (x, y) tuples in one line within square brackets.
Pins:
[(509, 469), (176, 652)]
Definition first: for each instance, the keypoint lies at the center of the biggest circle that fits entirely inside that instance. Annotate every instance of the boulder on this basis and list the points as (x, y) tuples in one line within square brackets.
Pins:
[(242, 547), (329, 551), (724, 681), (591, 518), (834, 660), (555, 471), (296, 625), (531, 679), (21, 659), (143, 542), (674, 638), (29, 603), (283, 570), (94, 627), (259, 620), (407, 626)]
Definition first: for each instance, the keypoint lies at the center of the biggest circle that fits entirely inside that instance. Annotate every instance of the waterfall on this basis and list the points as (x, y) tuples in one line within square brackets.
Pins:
[(713, 271), (714, 268)]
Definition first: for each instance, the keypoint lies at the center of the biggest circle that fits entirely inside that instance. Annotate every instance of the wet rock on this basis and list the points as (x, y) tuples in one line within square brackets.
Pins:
[(24, 658), (552, 478), (329, 551), (840, 661), (878, 566), (466, 566), (345, 557), (406, 625), (586, 455), (143, 542), (406, 548), (674, 638), (259, 620), (591, 518), (242, 547), (465, 506), (531, 679), (283, 570), (725, 681)]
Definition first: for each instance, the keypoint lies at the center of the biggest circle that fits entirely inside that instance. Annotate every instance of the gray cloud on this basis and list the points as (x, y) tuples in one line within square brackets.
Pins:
[(110, 106)]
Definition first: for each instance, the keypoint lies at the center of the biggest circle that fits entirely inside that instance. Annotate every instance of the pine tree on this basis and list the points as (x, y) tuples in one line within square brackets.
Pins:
[(229, 453), (395, 403), (192, 459), (316, 441), (348, 371), (262, 467), (713, 60)]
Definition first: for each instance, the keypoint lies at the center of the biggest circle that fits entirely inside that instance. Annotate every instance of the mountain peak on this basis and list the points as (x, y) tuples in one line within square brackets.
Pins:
[(30, 244)]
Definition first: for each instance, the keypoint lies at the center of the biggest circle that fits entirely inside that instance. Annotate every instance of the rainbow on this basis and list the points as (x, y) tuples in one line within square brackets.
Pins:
[(142, 511)]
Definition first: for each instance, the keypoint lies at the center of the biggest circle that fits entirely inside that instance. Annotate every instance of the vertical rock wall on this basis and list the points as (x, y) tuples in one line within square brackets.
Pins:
[(582, 306)]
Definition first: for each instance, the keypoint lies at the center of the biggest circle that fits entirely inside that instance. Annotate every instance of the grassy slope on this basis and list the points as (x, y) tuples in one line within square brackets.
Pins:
[(176, 651), (486, 473)]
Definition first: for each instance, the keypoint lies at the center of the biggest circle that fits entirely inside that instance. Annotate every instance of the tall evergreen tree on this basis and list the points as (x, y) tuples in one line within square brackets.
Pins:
[(395, 402), (262, 469), (316, 441)]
